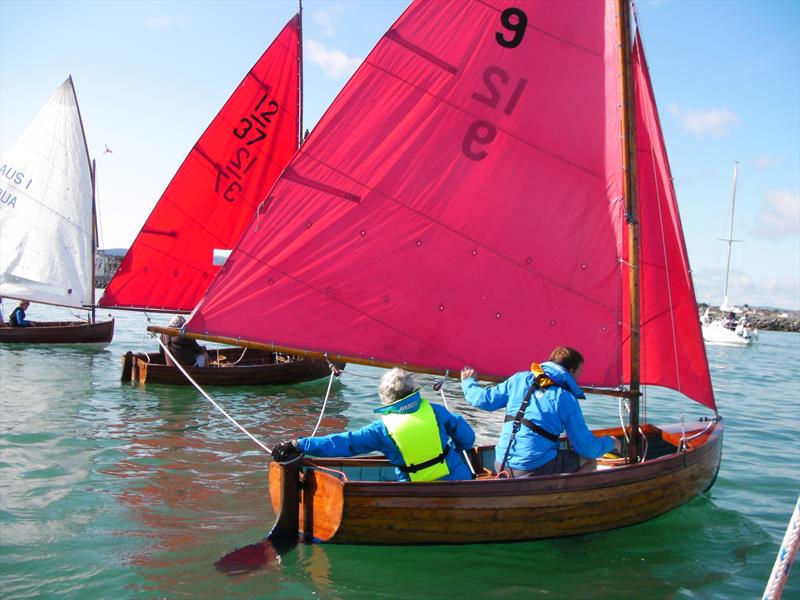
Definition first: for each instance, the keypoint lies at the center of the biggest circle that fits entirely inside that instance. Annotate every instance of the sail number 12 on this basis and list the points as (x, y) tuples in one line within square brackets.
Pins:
[(501, 92)]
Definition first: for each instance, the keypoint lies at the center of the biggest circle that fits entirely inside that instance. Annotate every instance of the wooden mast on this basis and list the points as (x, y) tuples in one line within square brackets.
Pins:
[(300, 76), (631, 215)]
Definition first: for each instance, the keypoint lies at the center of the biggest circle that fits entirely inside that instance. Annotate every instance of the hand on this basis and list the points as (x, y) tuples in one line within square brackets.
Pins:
[(286, 452), (467, 372)]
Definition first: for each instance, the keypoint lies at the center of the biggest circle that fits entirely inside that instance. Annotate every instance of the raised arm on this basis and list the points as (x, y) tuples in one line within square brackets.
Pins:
[(489, 398)]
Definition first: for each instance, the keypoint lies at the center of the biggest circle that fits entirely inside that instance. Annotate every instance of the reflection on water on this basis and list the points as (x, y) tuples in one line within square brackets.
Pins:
[(107, 486)]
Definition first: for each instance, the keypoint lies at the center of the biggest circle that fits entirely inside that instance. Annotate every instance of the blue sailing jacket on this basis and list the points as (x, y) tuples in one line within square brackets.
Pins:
[(554, 408), (17, 318), (453, 431)]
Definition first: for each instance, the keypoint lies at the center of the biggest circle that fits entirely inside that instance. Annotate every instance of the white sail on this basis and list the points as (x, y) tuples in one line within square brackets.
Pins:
[(46, 241)]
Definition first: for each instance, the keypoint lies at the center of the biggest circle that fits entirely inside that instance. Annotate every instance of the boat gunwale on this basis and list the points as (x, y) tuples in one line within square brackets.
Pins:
[(562, 482)]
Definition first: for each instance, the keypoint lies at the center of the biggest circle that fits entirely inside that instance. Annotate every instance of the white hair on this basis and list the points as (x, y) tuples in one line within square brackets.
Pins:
[(177, 321), (395, 384)]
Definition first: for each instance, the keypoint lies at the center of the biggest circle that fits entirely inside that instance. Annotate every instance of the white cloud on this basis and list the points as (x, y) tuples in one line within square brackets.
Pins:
[(334, 63), (765, 162), (167, 22), (326, 18), (777, 292), (778, 216), (715, 122)]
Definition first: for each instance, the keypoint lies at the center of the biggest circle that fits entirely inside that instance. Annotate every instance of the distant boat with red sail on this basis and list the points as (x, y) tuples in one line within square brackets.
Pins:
[(212, 197), (491, 183), (48, 225)]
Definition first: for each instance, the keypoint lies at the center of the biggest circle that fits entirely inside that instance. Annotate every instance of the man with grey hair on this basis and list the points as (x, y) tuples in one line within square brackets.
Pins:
[(185, 349), (423, 441)]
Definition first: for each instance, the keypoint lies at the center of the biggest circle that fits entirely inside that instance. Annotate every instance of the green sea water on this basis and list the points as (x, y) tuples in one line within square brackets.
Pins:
[(109, 490)]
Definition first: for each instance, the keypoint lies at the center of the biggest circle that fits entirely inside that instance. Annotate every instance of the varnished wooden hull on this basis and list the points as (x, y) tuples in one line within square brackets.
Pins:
[(256, 367), (59, 332), (495, 510)]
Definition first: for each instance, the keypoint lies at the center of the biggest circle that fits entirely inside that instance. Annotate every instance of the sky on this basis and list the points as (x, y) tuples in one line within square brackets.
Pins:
[(150, 76)]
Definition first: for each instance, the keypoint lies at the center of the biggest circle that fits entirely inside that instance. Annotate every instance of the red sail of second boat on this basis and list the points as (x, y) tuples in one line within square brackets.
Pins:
[(461, 203), (217, 189)]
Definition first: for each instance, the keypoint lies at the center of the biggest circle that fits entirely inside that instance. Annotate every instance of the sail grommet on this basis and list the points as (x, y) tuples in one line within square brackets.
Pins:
[(308, 225), (328, 291), (271, 281), (363, 233), (552, 322), (474, 252), (419, 243), (146, 269), (528, 260), (584, 266), (498, 315), (441, 307)]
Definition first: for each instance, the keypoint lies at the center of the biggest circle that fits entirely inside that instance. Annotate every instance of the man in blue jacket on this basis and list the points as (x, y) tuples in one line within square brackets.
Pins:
[(17, 318), (423, 441), (552, 408)]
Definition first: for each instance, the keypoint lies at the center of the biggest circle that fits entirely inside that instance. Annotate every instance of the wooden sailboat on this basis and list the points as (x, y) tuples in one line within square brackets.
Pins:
[(492, 182), (48, 224), (203, 211)]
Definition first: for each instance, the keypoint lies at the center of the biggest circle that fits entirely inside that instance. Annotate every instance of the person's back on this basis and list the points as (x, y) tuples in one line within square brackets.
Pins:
[(552, 409)]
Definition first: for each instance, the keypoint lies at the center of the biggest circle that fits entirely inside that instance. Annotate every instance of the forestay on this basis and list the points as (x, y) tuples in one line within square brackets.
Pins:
[(217, 189), (46, 238), (459, 203)]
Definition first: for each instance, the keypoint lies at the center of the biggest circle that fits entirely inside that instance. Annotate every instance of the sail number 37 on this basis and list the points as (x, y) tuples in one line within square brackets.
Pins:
[(501, 92)]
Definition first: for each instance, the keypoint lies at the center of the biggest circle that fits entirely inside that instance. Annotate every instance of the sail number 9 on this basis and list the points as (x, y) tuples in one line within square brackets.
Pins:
[(517, 26), (483, 132)]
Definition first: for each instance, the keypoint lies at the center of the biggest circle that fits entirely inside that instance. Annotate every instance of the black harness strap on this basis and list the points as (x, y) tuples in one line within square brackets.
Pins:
[(428, 463), (518, 419), (535, 428)]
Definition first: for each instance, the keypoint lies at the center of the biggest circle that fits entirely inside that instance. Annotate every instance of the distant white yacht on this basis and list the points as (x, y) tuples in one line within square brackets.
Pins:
[(732, 329)]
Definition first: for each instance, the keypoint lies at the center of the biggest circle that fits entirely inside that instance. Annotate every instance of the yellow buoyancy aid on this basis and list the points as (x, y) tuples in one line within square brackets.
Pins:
[(417, 437)]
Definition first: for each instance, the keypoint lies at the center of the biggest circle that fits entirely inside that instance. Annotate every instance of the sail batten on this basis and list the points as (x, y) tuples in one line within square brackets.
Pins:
[(217, 189)]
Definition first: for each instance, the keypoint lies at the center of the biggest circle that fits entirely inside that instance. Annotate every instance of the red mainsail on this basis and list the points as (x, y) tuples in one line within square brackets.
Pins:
[(459, 203), (217, 189), (672, 351)]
